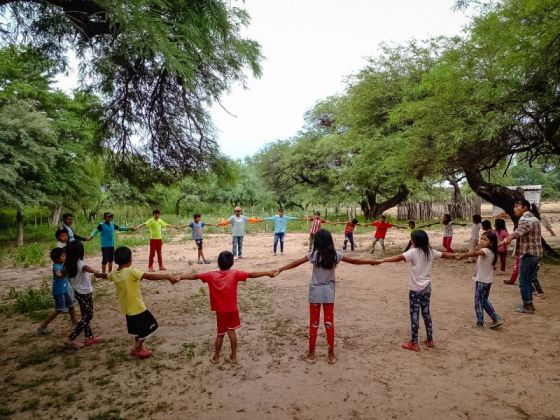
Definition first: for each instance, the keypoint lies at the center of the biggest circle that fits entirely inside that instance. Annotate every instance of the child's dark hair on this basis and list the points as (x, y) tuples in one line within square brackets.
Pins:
[(323, 245), (354, 221), (74, 253), (60, 231), (535, 211), (446, 219), (56, 253), (421, 241), (500, 224), (487, 225), (523, 202), (317, 213), (412, 223), (66, 216), (156, 211), (123, 255), (281, 209), (477, 218), (382, 216), (493, 244), (225, 260), (196, 215)]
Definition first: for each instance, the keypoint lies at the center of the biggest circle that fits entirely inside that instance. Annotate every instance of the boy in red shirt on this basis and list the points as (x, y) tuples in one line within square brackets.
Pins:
[(223, 300), (380, 232), (316, 222)]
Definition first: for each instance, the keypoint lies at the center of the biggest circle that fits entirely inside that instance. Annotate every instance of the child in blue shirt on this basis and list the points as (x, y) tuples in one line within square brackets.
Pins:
[(280, 226), (197, 227), (60, 289), (106, 230)]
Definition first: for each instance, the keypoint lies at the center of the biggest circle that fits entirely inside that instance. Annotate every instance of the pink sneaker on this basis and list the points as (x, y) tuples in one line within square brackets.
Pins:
[(430, 343), (143, 354), (93, 340), (75, 344), (409, 345)]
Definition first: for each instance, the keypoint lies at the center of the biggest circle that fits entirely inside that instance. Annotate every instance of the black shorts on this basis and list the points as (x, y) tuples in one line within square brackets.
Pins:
[(198, 243), (142, 325), (108, 253)]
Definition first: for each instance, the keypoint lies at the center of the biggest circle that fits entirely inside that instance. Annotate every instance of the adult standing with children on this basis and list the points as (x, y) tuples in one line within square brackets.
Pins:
[(529, 249), (67, 222), (238, 222)]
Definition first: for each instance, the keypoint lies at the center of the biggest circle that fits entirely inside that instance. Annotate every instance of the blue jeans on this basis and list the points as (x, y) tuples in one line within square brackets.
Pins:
[(237, 245), (482, 302), (528, 267), (279, 236)]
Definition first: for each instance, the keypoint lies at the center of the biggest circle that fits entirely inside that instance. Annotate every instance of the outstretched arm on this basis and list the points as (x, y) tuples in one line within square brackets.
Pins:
[(291, 265), (156, 277), (461, 255), (358, 261), (256, 274), (396, 258), (193, 276), (449, 255)]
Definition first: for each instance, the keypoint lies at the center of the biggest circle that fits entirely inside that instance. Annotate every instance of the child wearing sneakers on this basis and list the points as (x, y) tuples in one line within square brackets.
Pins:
[(197, 227), (487, 256), (420, 258), (139, 320), (223, 300), (63, 301)]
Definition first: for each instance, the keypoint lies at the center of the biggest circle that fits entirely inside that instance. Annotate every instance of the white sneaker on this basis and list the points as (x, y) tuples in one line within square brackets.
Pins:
[(235, 257)]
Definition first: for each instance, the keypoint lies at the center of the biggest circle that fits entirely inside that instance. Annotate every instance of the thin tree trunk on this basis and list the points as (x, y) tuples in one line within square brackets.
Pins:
[(55, 215), (19, 224)]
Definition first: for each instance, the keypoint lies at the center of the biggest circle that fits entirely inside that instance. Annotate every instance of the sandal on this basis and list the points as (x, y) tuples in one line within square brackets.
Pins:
[(409, 345), (523, 310), (429, 343)]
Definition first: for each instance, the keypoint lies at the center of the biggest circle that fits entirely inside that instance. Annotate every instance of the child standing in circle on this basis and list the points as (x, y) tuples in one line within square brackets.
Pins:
[(139, 320), (63, 301), (381, 228), (487, 256), (238, 222), (420, 258), (79, 274), (324, 259), (156, 242), (501, 233), (280, 226), (316, 222), (107, 230), (197, 227), (223, 300), (475, 234), (448, 232)]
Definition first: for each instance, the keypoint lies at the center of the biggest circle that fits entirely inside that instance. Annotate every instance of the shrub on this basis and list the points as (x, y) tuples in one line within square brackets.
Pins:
[(28, 255)]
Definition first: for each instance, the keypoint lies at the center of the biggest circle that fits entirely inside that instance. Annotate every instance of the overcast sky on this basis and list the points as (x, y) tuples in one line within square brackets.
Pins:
[(310, 47)]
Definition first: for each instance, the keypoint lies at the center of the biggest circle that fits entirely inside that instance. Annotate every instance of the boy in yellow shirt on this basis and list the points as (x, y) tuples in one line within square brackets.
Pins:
[(139, 320), (155, 224)]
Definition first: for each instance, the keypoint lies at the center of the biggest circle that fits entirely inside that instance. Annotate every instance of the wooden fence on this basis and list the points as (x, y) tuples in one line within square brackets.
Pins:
[(428, 210)]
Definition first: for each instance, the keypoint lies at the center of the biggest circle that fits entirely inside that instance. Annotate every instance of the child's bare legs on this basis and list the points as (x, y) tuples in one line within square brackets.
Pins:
[(72, 312), (48, 320), (110, 267), (233, 341), (217, 348)]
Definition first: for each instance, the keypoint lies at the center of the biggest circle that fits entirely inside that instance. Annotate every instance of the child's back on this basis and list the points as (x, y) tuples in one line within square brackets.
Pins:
[(222, 285), (323, 280), (420, 267), (127, 284)]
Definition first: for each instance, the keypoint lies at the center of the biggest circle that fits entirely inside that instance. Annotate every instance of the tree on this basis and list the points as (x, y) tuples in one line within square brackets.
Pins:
[(156, 64), (27, 153)]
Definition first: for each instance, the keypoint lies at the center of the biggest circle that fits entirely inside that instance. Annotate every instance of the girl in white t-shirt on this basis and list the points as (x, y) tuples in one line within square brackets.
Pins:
[(80, 278), (487, 256), (420, 258)]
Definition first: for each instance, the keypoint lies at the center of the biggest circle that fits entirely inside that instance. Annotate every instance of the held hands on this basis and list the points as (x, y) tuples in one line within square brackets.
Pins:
[(460, 256), (274, 273), (174, 279)]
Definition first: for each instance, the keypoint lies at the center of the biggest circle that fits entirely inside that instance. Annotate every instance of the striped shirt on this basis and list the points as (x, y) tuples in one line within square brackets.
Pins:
[(528, 235), (316, 225)]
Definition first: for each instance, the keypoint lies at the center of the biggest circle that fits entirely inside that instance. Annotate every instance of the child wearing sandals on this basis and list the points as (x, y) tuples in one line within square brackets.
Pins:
[(223, 300), (139, 320), (79, 274), (487, 256), (420, 258), (324, 258)]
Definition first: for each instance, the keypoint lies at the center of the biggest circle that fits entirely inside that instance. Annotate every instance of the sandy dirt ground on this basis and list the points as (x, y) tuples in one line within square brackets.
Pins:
[(513, 372)]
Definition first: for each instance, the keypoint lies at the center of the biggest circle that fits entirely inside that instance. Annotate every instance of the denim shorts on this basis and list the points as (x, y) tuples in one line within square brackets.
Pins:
[(63, 302)]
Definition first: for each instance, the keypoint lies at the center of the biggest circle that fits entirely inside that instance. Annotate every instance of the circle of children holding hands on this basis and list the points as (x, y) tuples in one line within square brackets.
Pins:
[(72, 273)]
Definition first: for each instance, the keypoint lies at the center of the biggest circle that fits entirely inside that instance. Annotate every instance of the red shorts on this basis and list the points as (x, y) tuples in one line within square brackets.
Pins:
[(227, 321)]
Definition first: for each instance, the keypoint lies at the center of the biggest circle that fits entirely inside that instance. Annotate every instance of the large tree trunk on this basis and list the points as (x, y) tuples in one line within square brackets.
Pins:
[(502, 197), (19, 223), (371, 208), (55, 215)]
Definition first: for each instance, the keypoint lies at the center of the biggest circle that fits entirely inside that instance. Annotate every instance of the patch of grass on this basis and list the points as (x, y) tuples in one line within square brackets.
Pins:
[(115, 358), (30, 405), (5, 411), (30, 255), (188, 350), (111, 414), (32, 299), (72, 362), (36, 358)]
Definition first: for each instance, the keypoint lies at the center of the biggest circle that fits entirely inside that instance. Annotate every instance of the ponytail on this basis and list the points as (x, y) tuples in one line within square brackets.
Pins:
[(535, 210)]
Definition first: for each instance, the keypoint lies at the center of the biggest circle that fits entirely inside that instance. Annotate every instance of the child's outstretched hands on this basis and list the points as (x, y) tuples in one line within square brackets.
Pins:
[(375, 262), (275, 273), (460, 255)]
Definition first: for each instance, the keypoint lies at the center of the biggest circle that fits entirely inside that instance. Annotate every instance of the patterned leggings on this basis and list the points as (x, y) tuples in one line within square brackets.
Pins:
[(420, 300), (482, 303), (314, 320), (86, 310)]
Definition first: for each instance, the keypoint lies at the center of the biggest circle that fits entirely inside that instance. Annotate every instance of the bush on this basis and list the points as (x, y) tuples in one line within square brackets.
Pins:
[(28, 255), (31, 300)]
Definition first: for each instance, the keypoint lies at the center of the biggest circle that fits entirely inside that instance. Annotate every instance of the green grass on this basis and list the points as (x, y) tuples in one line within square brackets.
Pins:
[(30, 255), (30, 300)]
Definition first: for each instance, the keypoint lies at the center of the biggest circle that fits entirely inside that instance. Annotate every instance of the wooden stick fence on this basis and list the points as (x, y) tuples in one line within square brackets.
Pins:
[(428, 210)]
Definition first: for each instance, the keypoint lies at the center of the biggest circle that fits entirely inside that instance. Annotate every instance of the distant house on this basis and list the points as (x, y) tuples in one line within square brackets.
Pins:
[(532, 195)]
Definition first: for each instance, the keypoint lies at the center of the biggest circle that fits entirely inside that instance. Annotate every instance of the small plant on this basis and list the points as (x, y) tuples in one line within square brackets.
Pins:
[(31, 300), (188, 350), (30, 405), (28, 255)]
